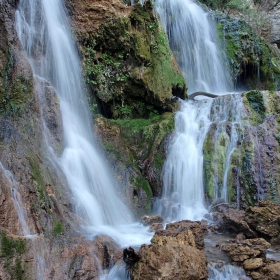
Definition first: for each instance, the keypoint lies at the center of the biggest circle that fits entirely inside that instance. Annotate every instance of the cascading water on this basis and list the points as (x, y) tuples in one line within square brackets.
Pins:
[(183, 169), (226, 117), (44, 32), (221, 271), (193, 39), (16, 197)]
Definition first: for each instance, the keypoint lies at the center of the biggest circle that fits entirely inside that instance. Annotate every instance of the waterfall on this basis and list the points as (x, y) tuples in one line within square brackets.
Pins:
[(193, 39), (17, 201), (226, 117), (44, 32), (183, 196)]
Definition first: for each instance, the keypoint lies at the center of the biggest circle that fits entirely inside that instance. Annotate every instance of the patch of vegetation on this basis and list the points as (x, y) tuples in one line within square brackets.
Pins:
[(38, 178), (129, 66), (252, 62), (256, 102), (15, 91), (142, 183), (247, 181), (9, 247), (58, 228)]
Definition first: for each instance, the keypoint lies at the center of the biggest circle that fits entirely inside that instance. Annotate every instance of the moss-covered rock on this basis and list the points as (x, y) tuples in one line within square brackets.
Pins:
[(253, 167), (252, 62), (136, 149), (129, 66)]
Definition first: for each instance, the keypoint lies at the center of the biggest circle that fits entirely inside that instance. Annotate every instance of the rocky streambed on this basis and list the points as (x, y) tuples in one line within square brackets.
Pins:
[(227, 244)]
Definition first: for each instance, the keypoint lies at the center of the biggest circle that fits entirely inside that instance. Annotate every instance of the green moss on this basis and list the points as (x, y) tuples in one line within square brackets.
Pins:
[(247, 181), (19, 271), (9, 247), (38, 178), (142, 183), (252, 62), (15, 91), (208, 148), (129, 62), (256, 102), (273, 192), (58, 228)]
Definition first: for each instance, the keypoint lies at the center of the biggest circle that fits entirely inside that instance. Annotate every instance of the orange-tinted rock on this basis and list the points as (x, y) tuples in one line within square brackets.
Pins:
[(172, 255), (252, 264), (198, 229)]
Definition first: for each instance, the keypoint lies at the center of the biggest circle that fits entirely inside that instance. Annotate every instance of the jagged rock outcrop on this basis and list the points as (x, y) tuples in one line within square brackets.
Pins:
[(252, 254), (173, 254), (137, 149), (272, 9), (265, 220), (256, 221)]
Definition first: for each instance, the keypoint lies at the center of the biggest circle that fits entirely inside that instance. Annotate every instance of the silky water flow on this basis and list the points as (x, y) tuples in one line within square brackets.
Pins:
[(44, 32)]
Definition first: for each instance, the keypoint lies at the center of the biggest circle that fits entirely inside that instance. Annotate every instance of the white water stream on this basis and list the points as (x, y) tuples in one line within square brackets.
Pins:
[(183, 194), (44, 32), (17, 201), (193, 39)]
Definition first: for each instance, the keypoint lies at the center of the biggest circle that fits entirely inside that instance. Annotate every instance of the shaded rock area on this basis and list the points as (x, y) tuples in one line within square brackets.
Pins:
[(254, 64), (149, 220), (246, 249), (265, 220), (256, 221), (174, 253)]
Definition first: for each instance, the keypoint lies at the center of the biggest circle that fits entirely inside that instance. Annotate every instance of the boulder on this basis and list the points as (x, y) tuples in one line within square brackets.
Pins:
[(149, 220), (271, 271), (156, 226), (234, 220), (252, 264), (197, 228), (173, 254)]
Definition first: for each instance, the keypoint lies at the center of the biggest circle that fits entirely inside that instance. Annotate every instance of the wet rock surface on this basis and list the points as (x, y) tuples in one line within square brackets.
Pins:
[(173, 254), (149, 220), (265, 220), (256, 221)]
